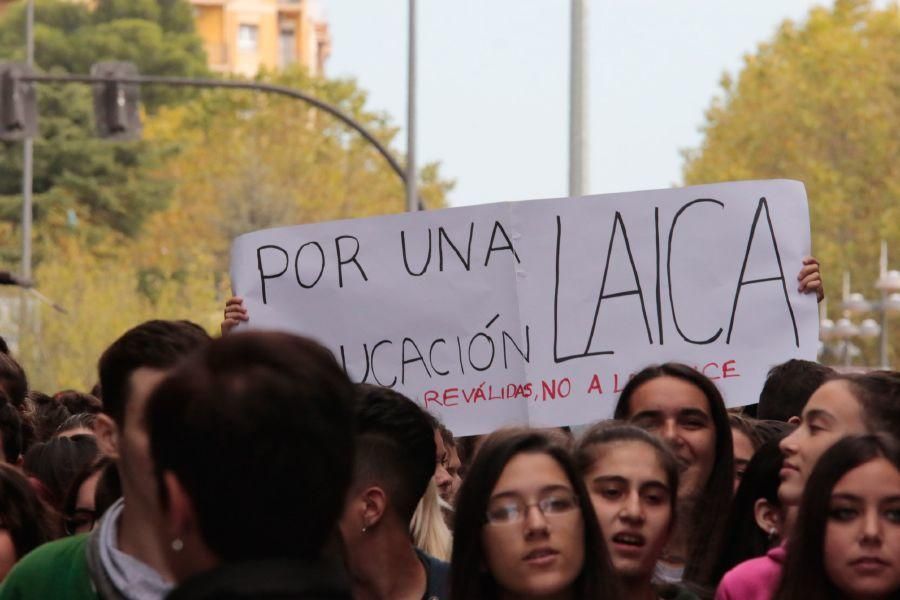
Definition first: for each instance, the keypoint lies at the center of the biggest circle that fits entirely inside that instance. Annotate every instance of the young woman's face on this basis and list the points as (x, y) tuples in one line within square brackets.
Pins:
[(679, 413), (633, 504), (534, 538), (862, 535), (831, 413)]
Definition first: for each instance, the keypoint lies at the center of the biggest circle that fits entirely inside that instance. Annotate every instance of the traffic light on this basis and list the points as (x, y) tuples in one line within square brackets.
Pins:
[(116, 104), (18, 103)]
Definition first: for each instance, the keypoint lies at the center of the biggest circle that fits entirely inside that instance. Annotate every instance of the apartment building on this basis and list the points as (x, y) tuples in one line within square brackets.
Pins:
[(244, 36)]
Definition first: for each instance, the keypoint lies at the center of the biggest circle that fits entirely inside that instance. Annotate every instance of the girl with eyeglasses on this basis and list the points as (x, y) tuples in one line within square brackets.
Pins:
[(525, 527)]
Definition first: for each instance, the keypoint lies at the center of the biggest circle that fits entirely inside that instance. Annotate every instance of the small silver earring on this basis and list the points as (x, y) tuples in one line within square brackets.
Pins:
[(364, 529), (177, 545)]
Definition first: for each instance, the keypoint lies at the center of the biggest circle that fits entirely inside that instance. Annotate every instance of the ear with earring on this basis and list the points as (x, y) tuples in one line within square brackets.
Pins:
[(177, 545)]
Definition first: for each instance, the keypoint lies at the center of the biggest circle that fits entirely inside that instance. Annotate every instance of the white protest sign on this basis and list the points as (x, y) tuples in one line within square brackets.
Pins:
[(538, 312)]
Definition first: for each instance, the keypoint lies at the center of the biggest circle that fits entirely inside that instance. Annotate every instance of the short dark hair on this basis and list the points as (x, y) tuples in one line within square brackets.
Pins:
[(154, 344), (79, 402), (10, 429), (468, 578), (747, 426), (395, 446), (13, 380), (711, 510), (46, 415), (261, 423), (58, 462), (24, 515), (77, 421), (787, 388), (804, 574)]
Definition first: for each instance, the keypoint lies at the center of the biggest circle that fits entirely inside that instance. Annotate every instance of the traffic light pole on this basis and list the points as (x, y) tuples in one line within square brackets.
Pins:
[(28, 156), (241, 85)]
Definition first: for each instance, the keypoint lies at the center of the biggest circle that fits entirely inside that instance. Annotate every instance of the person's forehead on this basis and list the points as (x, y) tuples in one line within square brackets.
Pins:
[(632, 460), (668, 394), (529, 473), (834, 399), (876, 479)]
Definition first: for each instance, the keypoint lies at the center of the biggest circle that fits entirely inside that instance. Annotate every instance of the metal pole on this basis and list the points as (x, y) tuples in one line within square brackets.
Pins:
[(27, 177), (578, 133), (883, 340), (27, 166), (411, 193)]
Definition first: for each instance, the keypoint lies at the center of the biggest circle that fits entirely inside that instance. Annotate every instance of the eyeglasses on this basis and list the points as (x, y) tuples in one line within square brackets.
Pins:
[(81, 520), (509, 509)]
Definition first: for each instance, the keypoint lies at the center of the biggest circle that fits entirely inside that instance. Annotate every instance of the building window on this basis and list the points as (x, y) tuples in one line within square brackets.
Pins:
[(288, 46), (248, 37)]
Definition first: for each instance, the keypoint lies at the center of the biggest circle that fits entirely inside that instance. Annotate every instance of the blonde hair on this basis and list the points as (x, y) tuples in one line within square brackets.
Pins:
[(428, 528)]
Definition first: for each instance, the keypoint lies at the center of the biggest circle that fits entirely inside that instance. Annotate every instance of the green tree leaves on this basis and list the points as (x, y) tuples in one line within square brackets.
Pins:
[(820, 102)]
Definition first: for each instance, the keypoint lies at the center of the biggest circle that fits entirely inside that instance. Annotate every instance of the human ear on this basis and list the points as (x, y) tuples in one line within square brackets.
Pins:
[(107, 434), (374, 505), (178, 510), (768, 518), (795, 420)]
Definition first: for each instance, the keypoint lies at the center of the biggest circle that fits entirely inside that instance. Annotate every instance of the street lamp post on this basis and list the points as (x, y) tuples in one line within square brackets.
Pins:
[(855, 304), (889, 286)]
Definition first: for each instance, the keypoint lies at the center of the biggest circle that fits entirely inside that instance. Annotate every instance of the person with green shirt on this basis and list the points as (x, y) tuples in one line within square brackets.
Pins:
[(121, 558)]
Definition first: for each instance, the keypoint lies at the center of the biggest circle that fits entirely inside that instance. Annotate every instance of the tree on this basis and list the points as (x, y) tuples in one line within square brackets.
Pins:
[(244, 161), (271, 161), (819, 102), (106, 187)]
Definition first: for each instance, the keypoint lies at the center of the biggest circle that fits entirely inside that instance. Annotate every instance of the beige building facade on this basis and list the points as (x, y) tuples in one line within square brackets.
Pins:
[(244, 36)]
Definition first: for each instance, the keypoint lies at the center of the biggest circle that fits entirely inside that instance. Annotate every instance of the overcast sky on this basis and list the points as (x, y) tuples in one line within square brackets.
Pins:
[(493, 83)]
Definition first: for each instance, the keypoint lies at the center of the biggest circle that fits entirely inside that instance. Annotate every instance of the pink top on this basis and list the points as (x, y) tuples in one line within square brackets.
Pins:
[(754, 579)]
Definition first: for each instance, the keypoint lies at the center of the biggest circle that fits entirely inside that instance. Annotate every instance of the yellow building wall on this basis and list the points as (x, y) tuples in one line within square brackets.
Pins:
[(218, 21), (210, 24)]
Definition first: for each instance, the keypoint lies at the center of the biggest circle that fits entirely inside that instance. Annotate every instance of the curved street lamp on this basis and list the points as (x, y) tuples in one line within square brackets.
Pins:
[(855, 304)]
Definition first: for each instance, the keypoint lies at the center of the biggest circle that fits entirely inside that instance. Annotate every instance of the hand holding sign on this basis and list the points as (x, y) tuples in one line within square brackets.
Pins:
[(537, 312)]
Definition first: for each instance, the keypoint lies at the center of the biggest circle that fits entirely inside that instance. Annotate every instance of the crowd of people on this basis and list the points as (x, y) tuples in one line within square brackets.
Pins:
[(250, 466)]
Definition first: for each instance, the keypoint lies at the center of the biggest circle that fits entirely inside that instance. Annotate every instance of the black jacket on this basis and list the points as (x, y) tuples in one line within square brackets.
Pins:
[(268, 579)]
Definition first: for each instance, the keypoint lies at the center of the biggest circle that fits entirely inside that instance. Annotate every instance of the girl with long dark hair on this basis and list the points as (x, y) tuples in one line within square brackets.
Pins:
[(846, 543), (686, 410), (845, 405), (525, 526), (633, 482), (756, 521)]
